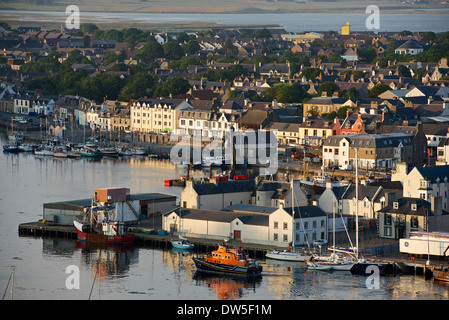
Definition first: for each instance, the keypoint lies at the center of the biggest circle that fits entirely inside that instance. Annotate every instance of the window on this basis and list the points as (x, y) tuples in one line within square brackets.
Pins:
[(285, 226), (395, 205), (275, 237), (285, 238), (387, 220), (275, 225), (387, 231), (414, 222), (414, 206)]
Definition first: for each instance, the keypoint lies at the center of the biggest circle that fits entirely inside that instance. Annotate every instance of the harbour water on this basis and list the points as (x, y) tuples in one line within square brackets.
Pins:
[(143, 273)]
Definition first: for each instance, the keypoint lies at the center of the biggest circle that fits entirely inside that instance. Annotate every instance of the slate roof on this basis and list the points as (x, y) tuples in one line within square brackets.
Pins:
[(410, 44), (372, 140), (250, 208), (423, 207), (223, 216), (432, 173), (304, 212)]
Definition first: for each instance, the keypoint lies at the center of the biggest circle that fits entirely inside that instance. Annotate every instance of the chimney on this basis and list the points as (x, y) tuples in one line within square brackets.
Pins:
[(429, 100), (436, 205)]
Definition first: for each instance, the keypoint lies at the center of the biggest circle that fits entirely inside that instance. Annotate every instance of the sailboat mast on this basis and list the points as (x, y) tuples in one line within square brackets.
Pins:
[(333, 231), (357, 203), (293, 217)]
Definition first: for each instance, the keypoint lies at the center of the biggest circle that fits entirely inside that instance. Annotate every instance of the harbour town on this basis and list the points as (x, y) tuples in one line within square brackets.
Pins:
[(235, 162)]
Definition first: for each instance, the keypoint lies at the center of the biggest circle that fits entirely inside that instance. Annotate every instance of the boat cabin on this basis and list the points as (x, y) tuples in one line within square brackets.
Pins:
[(229, 256)]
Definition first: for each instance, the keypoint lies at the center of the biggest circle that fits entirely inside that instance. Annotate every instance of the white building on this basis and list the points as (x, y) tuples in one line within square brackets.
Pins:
[(250, 224), (409, 47), (207, 123), (156, 115), (425, 183), (216, 195)]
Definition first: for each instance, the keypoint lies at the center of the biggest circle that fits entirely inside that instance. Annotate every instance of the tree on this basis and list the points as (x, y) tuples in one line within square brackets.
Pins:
[(311, 73), (173, 50), (378, 89), (191, 47), (150, 51), (172, 86), (141, 85), (285, 93), (367, 54)]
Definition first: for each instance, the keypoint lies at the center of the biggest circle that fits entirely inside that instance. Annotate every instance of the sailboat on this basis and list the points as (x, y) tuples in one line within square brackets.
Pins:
[(182, 243), (334, 261), (15, 137), (289, 254)]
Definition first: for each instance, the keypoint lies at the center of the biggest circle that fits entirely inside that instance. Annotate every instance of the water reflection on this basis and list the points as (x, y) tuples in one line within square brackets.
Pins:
[(107, 261), (227, 287)]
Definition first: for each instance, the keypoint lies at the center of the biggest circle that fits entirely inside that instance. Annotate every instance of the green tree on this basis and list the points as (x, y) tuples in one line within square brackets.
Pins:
[(285, 93), (311, 73), (150, 51), (367, 54), (140, 85), (172, 86), (378, 89), (191, 47), (172, 50)]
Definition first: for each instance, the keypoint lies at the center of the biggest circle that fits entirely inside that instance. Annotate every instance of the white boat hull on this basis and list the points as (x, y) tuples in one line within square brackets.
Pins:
[(288, 256)]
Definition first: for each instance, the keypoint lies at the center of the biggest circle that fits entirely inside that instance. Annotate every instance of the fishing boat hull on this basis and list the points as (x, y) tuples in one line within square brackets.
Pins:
[(84, 233), (11, 149), (287, 256), (441, 275), (184, 246), (208, 267)]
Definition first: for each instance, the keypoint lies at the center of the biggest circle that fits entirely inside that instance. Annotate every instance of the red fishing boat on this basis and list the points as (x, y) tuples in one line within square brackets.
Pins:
[(99, 225)]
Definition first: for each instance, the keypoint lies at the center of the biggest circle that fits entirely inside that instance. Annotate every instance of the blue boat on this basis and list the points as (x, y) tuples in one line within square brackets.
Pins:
[(11, 148), (182, 243)]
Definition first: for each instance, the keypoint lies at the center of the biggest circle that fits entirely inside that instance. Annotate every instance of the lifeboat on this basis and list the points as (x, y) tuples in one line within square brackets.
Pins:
[(227, 260)]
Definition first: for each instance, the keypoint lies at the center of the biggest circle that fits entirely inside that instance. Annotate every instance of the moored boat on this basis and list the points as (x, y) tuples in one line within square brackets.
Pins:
[(99, 225), (139, 151), (90, 153), (288, 255), (230, 261), (43, 151), (441, 275), (106, 232), (182, 243), (109, 152), (11, 148), (23, 147)]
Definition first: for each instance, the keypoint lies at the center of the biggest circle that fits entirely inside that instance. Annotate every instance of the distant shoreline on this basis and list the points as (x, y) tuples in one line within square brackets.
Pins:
[(198, 22)]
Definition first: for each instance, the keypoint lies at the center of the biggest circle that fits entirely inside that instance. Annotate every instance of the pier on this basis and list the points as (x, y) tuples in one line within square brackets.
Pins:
[(400, 263), (144, 238)]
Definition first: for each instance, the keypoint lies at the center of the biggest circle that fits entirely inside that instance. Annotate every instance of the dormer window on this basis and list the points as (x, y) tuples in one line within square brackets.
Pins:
[(413, 206), (395, 205)]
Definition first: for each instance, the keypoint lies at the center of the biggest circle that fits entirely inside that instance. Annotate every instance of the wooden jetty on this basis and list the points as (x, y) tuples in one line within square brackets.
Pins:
[(402, 264), (145, 239)]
